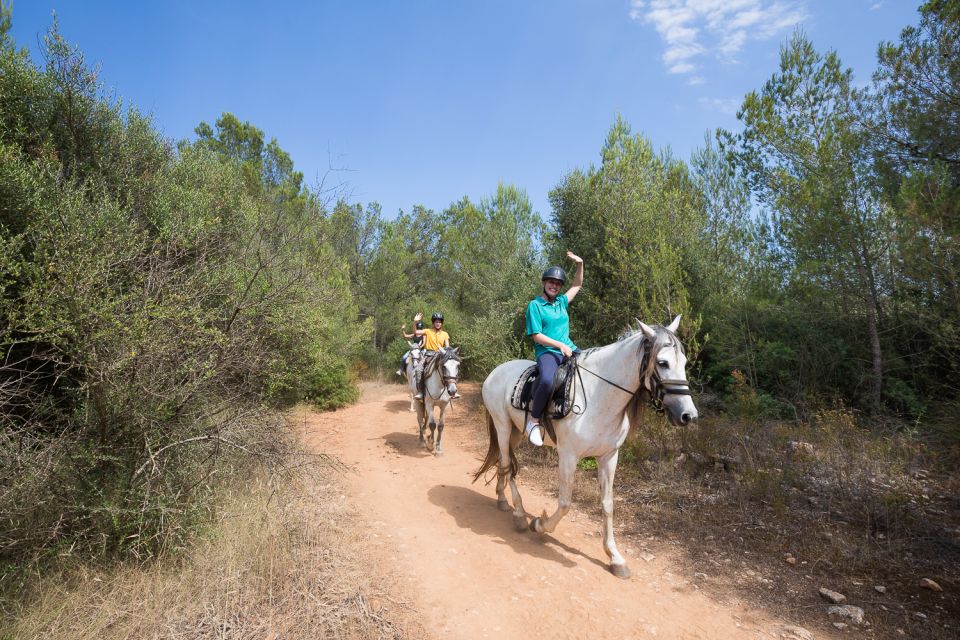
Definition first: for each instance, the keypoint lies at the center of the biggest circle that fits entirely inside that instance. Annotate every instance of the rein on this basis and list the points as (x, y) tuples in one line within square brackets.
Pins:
[(610, 382), (662, 386)]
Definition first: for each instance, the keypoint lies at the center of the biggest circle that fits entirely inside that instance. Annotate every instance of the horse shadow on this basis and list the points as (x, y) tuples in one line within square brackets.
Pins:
[(398, 406), (479, 513), (406, 443)]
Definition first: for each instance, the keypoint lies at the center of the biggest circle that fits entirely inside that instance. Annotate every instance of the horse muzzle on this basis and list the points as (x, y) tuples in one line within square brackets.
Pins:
[(680, 410)]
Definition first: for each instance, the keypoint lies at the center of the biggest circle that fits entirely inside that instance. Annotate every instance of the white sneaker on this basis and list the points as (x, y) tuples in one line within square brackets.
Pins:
[(399, 372), (533, 434)]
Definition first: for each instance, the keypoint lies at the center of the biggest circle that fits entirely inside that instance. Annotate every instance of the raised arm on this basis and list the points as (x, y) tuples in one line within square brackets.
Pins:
[(577, 279), (417, 318)]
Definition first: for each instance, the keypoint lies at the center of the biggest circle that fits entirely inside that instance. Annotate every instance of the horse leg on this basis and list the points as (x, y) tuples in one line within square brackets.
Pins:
[(429, 420), (409, 372), (568, 468), (437, 451), (421, 418), (606, 469), (507, 440)]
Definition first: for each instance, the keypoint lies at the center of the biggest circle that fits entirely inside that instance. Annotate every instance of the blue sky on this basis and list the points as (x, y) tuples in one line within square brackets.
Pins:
[(425, 102)]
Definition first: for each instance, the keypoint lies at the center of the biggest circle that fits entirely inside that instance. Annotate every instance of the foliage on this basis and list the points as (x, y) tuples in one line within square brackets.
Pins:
[(153, 299), (807, 160), (636, 221), (911, 112)]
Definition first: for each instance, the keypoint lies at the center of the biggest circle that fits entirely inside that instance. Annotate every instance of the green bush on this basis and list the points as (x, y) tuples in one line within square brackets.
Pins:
[(154, 298), (331, 385)]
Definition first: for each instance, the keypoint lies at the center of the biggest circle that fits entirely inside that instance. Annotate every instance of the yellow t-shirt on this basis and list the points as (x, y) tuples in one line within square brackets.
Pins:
[(435, 340)]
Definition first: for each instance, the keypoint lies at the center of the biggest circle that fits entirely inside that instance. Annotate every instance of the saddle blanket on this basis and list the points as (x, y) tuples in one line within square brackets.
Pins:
[(561, 398)]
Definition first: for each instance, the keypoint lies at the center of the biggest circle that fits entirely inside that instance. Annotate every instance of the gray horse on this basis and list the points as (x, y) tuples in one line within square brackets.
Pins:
[(439, 387)]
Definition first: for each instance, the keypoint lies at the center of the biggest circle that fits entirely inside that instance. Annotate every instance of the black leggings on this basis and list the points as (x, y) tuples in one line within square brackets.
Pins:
[(548, 362)]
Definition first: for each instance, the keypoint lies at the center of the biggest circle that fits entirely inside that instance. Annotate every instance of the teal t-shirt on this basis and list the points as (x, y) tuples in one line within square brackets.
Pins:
[(550, 319)]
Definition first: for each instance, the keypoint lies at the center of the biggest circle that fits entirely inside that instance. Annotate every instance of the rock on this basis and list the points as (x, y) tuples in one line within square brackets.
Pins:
[(855, 614), (791, 560), (919, 616), (795, 447), (796, 633), (832, 596), (840, 625), (927, 583), (879, 588)]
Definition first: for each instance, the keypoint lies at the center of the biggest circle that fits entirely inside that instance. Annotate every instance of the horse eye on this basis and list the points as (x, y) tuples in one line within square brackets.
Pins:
[(662, 363)]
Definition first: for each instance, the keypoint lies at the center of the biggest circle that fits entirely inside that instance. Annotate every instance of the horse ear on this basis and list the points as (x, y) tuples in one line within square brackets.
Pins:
[(674, 325), (647, 330)]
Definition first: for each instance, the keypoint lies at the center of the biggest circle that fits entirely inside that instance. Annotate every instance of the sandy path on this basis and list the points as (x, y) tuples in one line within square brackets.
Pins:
[(469, 572)]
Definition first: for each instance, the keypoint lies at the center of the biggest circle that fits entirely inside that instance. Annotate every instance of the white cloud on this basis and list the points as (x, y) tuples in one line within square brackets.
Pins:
[(726, 106), (693, 28)]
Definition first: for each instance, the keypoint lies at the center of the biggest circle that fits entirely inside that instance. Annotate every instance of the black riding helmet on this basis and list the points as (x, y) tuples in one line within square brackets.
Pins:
[(555, 273), (436, 316)]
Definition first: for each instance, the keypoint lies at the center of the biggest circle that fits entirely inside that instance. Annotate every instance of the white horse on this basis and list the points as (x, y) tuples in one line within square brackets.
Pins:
[(410, 372), (439, 387), (611, 386)]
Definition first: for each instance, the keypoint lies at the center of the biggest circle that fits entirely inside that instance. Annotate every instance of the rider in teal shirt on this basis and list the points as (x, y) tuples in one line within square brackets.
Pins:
[(550, 319), (548, 323)]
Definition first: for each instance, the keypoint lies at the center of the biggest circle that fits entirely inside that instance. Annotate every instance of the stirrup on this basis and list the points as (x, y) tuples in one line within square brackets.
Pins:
[(419, 396), (533, 434)]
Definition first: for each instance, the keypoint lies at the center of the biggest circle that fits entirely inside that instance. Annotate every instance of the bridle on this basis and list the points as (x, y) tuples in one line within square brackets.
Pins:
[(662, 387), (446, 379), (650, 381)]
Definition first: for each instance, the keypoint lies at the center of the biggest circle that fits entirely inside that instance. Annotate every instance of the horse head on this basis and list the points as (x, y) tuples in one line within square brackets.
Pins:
[(663, 372), (450, 369)]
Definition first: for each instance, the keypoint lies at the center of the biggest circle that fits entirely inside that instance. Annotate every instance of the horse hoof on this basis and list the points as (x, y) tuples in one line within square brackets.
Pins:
[(438, 454), (620, 570), (503, 505), (520, 523), (536, 526)]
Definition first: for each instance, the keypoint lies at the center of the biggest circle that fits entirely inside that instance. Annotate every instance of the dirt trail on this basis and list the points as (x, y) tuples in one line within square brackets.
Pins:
[(471, 575)]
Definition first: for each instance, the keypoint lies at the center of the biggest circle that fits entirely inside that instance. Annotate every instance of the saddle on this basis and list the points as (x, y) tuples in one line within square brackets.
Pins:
[(560, 395)]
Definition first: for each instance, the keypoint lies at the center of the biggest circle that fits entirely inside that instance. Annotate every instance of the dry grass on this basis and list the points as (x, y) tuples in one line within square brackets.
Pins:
[(284, 561), (859, 510)]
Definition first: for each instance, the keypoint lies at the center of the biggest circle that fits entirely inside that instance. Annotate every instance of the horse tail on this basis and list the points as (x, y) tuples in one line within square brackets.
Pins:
[(492, 458)]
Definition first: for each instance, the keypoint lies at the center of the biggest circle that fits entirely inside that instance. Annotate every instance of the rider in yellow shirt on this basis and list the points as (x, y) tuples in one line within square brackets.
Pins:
[(435, 339)]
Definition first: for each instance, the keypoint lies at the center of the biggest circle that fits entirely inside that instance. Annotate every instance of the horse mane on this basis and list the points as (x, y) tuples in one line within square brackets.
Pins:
[(662, 338)]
